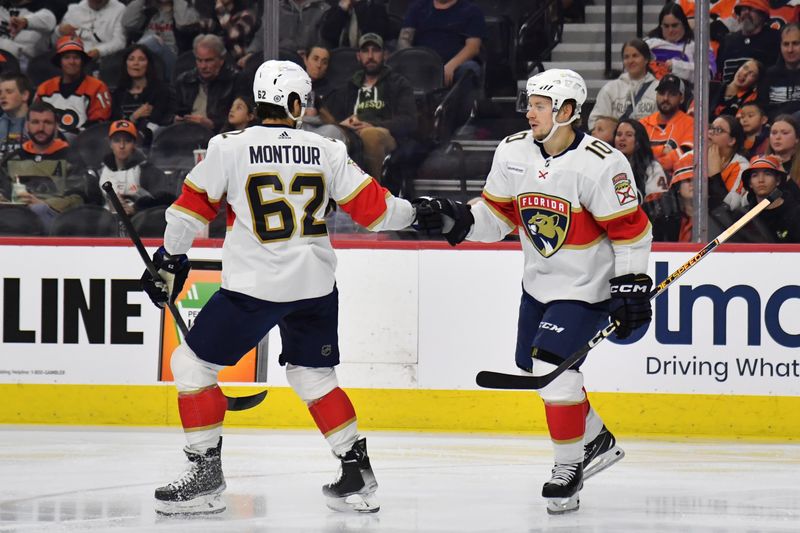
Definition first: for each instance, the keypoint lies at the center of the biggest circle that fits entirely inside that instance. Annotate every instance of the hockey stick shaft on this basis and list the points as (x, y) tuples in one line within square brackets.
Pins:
[(111, 194), (498, 380), (234, 403)]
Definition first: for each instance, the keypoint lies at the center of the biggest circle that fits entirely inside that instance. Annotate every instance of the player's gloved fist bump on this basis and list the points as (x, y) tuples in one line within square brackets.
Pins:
[(443, 215), (630, 302), (426, 217), (172, 270)]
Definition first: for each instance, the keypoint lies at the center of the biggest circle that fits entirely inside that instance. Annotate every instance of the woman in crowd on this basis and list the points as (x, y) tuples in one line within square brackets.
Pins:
[(672, 45), (631, 139), (783, 139), (725, 163), (141, 96), (633, 94), (754, 119), (742, 89)]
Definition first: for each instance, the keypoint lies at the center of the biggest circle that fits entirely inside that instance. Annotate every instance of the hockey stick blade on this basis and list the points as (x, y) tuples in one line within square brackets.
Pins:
[(498, 380), (242, 403), (234, 404)]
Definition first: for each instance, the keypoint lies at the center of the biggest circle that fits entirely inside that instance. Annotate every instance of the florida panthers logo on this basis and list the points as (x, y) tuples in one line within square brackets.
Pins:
[(546, 221)]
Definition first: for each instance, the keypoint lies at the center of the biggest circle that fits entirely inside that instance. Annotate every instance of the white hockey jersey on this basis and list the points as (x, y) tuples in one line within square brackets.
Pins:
[(578, 216), (278, 182)]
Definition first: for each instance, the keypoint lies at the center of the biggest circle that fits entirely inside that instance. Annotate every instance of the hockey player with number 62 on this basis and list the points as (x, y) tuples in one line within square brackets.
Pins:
[(277, 270), (586, 243)]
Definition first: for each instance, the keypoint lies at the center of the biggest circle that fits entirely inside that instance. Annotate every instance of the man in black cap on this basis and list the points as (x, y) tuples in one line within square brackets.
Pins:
[(377, 104), (671, 131)]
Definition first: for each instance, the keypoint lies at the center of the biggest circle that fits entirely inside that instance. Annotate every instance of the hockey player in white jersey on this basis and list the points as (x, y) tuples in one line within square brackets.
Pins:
[(277, 269), (586, 244)]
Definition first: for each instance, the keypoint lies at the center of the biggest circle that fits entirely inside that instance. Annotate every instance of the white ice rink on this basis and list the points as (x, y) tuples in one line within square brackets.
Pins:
[(76, 479)]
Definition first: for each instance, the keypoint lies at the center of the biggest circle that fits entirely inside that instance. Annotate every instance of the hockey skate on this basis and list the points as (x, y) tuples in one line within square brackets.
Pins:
[(354, 489), (601, 453), (562, 491), (198, 490)]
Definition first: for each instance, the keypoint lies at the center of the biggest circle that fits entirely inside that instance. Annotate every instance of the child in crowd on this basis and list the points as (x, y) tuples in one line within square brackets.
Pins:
[(242, 114), (754, 119), (604, 128)]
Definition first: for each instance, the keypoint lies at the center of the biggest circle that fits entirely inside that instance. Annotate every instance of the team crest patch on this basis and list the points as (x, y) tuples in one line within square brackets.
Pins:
[(546, 220), (622, 186)]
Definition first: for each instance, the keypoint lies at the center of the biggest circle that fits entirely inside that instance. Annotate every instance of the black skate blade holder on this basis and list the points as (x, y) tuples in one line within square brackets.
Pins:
[(235, 403)]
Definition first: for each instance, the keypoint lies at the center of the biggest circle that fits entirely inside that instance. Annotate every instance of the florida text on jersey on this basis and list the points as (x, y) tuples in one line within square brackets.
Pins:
[(278, 181), (578, 215)]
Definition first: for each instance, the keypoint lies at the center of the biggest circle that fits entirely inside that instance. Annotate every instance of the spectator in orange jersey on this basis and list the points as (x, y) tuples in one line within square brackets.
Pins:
[(725, 163), (45, 165), (79, 99), (671, 131)]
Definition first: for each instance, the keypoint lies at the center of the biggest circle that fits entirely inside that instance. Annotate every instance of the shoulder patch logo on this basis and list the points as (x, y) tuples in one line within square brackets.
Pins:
[(546, 221), (622, 186)]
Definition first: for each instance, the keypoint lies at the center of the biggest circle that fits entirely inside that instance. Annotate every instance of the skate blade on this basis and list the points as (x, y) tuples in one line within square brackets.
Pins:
[(354, 503), (202, 505), (563, 505), (601, 462)]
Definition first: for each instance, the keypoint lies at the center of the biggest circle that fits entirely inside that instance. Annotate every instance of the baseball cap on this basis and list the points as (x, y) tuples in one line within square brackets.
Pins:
[(373, 38), (68, 43), (764, 162), (760, 5), (125, 126), (684, 169), (671, 83)]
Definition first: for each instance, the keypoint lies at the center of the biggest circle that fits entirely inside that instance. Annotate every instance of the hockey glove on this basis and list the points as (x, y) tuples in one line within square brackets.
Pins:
[(443, 216), (173, 271), (630, 302)]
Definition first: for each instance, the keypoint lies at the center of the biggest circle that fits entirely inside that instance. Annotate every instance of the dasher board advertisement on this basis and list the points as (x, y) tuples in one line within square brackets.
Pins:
[(203, 281)]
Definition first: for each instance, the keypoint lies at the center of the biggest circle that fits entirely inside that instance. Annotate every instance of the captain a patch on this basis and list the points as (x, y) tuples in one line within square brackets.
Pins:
[(546, 221), (622, 186)]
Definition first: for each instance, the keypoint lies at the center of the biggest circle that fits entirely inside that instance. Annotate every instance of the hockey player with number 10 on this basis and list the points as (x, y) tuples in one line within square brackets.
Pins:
[(586, 243), (277, 269)]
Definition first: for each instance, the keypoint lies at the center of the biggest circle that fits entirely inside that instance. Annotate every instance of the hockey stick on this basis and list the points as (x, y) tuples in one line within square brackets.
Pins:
[(238, 403), (498, 380)]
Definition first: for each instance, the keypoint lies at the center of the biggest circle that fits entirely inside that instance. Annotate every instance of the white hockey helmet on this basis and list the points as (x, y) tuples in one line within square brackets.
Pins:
[(559, 85), (276, 80)]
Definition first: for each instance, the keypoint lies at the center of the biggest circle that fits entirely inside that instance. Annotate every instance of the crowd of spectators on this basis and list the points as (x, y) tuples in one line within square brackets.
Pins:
[(754, 108), (117, 72)]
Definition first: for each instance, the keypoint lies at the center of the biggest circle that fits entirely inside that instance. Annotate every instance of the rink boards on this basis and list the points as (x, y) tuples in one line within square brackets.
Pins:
[(79, 344)]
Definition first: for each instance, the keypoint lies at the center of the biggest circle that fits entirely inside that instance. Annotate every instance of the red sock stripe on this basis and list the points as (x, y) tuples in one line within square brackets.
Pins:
[(566, 423), (333, 412), (202, 409)]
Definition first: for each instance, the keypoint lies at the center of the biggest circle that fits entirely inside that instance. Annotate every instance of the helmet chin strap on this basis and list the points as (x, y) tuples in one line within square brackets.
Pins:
[(298, 120), (557, 124)]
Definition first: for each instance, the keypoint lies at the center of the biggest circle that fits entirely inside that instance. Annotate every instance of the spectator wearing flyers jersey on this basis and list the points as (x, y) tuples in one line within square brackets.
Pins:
[(80, 99), (671, 130), (725, 163)]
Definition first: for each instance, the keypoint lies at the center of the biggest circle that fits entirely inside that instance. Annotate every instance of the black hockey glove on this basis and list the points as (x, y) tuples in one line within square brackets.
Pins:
[(443, 216), (630, 302), (173, 271)]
